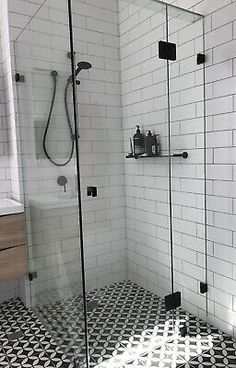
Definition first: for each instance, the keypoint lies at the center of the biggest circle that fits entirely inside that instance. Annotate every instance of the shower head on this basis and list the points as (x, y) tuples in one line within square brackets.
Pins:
[(82, 65)]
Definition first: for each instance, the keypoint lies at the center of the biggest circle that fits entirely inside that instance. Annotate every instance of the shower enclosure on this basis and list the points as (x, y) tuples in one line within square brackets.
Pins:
[(107, 230)]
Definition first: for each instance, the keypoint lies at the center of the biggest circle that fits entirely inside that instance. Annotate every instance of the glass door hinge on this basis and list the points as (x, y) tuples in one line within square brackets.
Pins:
[(173, 301), (167, 50), (201, 59), (203, 288), (32, 275), (19, 78)]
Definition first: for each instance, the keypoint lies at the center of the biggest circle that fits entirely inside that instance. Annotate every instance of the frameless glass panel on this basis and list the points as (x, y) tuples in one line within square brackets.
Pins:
[(182, 14), (173, 11), (188, 175), (123, 283), (49, 175), (155, 6)]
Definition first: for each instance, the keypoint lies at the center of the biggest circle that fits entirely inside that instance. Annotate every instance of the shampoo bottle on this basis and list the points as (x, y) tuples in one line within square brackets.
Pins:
[(152, 146), (139, 145)]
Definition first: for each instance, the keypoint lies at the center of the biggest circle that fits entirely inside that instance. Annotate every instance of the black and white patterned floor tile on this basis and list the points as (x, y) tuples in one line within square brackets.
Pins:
[(22, 338), (128, 328)]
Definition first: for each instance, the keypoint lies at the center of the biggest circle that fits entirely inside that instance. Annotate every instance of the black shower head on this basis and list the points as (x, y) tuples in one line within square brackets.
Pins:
[(82, 65)]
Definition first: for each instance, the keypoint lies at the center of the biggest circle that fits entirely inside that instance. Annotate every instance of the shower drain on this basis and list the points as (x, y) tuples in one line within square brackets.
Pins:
[(17, 335)]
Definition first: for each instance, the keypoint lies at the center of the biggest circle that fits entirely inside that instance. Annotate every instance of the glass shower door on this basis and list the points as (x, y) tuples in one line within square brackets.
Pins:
[(49, 176), (188, 176), (188, 180)]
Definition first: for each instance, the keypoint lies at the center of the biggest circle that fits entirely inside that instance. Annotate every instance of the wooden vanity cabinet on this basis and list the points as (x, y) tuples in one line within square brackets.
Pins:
[(13, 252)]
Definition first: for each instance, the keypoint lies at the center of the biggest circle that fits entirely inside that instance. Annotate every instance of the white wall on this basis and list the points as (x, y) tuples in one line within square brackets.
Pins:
[(9, 177), (96, 35), (144, 83), (5, 183), (220, 74), (146, 195), (13, 149)]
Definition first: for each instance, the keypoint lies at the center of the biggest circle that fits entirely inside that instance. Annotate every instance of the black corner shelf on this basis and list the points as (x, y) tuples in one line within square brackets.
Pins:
[(183, 155)]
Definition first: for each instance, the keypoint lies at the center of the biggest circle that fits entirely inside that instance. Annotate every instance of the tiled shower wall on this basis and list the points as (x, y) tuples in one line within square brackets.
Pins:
[(12, 128), (52, 222), (144, 83), (97, 34), (146, 183), (9, 178), (220, 78), (5, 183)]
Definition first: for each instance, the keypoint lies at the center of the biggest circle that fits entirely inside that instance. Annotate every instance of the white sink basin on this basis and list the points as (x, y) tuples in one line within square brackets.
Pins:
[(9, 207)]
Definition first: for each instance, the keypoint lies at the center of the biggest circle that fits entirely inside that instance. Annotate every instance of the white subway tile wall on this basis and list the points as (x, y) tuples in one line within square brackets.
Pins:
[(144, 246), (9, 178), (147, 209), (5, 183)]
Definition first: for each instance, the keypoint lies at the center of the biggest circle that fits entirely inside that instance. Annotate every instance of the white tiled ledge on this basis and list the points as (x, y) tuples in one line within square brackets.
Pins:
[(54, 200), (10, 206)]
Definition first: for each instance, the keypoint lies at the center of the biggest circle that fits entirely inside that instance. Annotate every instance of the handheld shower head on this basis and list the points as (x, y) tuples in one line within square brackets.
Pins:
[(82, 65)]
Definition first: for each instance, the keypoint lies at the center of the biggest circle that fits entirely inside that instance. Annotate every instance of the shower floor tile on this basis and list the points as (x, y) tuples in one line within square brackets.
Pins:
[(128, 328)]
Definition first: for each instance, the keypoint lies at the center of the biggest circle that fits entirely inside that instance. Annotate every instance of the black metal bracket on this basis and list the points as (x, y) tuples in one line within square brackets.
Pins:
[(32, 276), (173, 301), (92, 191), (183, 155), (183, 331), (167, 50), (203, 288), (19, 78), (201, 59)]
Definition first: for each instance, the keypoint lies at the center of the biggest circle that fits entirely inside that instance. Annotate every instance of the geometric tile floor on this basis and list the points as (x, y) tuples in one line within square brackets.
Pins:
[(128, 327)]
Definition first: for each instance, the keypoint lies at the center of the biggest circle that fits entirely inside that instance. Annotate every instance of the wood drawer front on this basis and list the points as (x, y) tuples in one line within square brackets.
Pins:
[(12, 231), (13, 262)]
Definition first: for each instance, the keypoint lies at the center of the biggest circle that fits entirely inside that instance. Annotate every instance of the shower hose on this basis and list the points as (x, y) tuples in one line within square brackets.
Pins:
[(54, 75)]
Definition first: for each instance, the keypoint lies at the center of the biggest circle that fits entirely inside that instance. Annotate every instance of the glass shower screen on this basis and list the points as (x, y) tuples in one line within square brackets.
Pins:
[(49, 174), (188, 132)]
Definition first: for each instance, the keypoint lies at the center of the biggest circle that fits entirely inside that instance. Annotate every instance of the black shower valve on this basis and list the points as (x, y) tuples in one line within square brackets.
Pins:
[(19, 78), (92, 192)]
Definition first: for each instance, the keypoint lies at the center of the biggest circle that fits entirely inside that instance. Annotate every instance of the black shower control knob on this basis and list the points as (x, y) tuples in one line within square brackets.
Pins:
[(92, 191)]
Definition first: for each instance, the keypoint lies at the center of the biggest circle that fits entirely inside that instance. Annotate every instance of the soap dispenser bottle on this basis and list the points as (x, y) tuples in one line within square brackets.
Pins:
[(152, 145), (139, 145)]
